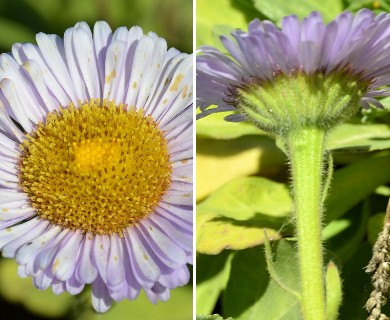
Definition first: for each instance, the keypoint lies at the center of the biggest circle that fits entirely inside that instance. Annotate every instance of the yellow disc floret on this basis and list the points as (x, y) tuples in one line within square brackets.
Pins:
[(95, 168), (90, 154)]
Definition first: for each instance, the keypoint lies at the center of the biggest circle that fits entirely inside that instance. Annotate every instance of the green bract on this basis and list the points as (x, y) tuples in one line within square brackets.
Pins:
[(300, 100)]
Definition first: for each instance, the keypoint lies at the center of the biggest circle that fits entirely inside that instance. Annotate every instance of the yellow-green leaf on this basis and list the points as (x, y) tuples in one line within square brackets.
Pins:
[(220, 161), (220, 12), (214, 126), (359, 137), (235, 216), (277, 9)]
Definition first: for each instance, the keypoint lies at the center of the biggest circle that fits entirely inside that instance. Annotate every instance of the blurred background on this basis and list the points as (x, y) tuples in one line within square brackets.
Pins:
[(20, 20)]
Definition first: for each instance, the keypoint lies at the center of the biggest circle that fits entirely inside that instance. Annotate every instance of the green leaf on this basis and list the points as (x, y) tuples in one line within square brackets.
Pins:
[(220, 161), (355, 5), (233, 217), (214, 126), (272, 271), (334, 294), (376, 115), (346, 137), (212, 273), (277, 9), (359, 137), (356, 285), (356, 182), (344, 235), (214, 234), (249, 198), (375, 226), (383, 191), (251, 294), (220, 12), (212, 317)]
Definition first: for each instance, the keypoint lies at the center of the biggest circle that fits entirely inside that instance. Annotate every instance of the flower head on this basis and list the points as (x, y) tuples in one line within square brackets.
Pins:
[(96, 163), (351, 52)]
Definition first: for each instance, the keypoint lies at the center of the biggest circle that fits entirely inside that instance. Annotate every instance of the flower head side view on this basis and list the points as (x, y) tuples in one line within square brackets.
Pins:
[(96, 163), (346, 58), (297, 83)]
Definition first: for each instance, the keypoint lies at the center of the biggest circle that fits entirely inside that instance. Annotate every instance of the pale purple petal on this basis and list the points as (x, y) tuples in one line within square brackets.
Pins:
[(101, 299), (358, 44)]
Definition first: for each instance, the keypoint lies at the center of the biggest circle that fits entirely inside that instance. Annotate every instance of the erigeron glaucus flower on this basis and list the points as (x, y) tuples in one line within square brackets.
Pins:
[(96, 163), (351, 51)]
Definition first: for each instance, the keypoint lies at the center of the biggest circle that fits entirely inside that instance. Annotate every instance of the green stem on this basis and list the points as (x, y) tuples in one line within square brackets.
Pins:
[(306, 150)]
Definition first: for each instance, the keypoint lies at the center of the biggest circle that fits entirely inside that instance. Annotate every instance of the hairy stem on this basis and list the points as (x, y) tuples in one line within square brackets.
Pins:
[(306, 151)]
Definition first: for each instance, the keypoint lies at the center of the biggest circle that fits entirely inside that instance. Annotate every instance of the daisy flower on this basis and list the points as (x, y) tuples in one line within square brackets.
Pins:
[(297, 83), (96, 163), (351, 52)]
